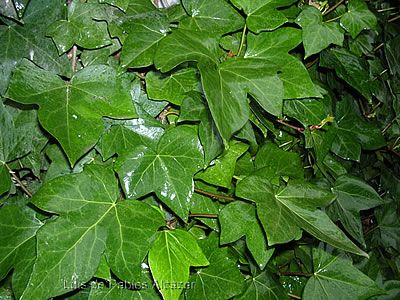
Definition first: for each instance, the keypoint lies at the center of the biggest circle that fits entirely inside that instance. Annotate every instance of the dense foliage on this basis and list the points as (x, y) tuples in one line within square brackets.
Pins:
[(215, 149)]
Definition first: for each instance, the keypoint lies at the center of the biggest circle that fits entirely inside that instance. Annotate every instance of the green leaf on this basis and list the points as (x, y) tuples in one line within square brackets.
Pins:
[(274, 47), (18, 226), (81, 28), (335, 277), (5, 179), (29, 41), (220, 173), (170, 257), (307, 111), (185, 45), (68, 110), (263, 15), (318, 35), (357, 18), (172, 87), (283, 213), (353, 195), (221, 279), (238, 219), (263, 286), (194, 108), (388, 226), (204, 205), (117, 292), (166, 170), (212, 16), (91, 221), (121, 4)]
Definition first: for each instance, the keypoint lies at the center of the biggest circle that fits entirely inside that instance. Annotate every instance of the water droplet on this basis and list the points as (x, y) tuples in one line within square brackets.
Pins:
[(75, 116)]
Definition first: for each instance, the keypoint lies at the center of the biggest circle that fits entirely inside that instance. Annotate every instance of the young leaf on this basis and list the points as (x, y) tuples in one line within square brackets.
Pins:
[(67, 110), (317, 34), (170, 257), (357, 18), (283, 213), (166, 170), (335, 277), (91, 221)]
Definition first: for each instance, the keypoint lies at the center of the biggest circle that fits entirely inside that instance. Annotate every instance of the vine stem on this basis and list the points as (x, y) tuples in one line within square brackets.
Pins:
[(333, 19), (73, 63), (211, 216), (215, 195), (333, 8), (298, 129), (21, 185), (294, 296), (242, 40)]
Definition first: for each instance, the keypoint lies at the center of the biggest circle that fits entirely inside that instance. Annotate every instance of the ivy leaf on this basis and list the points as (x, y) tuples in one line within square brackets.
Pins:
[(350, 68), (263, 286), (5, 179), (237, 220), (220, 173), (194, 108), (388, 226), (263, 15), (185, 45), (307, 111), (274, 47), (91, 221), (166, 170), (221, 279), (317, 34), (8, 10), (357, 18), (335, 277), (283, 213), (203, 205), (29, 41), (216, 16), (117, 292), (353, 195), (81, 28), (68, 110), (172, 87), (170, 257), (18, 227), (121, 4)]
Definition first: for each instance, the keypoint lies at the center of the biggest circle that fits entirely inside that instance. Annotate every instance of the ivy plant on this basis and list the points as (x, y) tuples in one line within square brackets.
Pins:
[(197, 149)]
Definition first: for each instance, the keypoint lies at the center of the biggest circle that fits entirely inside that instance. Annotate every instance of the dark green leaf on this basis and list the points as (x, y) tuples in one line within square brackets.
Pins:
[(357, 18), (263, 286)]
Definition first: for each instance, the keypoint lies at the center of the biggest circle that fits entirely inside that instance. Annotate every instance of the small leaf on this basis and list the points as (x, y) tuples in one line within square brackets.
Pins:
[(170, 257), (166, 170), (357, 18), (318, 35), (263, 286), (335, 277), (68, 110)]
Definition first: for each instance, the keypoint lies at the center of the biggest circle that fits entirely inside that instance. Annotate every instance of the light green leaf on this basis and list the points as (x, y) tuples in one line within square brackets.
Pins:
[(283, 213), (274, 47), (220, 173), (170, 257), (18, 226), (29, 41), (91, 221), (239, 219), (263, 286), (185, 45), (212, 16), (68, 110), (357, 18), (263, 15), (166, 170), (81, 28), (318, 35), (172, 87), (335, 277), (353, 195)]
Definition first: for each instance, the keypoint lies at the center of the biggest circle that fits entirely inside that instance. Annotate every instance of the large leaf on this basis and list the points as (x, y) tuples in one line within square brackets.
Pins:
[(29, 41), (282, 213), (239, 219), (263, 15), (81, 28), (213, 16), (274, 47), (353, 195), (67, 110), (318, 35), (167, 169), (91, 221), (334, 277), (357, 18), (170, 257)]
